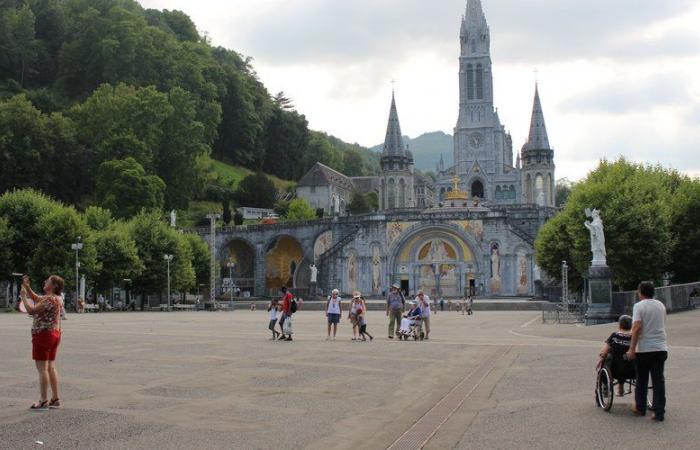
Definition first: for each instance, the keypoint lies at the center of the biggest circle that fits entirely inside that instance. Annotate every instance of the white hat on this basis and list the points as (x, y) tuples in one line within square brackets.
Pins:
[(335, 291)]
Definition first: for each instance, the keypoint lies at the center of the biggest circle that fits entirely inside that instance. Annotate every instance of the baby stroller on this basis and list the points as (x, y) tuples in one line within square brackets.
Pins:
[(415, 330)]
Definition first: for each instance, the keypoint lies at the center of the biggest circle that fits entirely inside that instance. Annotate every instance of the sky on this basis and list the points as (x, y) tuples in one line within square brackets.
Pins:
[(616, 78)]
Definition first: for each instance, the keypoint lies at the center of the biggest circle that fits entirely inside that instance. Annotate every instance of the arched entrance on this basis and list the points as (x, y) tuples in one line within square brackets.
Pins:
[(437, 260), (478, 189), (282, 261), (242, 255)]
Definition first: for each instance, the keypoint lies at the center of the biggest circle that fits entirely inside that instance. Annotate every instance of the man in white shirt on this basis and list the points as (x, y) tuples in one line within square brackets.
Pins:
[(649, 350), (424, 305)]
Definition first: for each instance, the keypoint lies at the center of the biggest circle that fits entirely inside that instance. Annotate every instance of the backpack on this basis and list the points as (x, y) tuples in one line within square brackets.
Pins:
[(293, 306)]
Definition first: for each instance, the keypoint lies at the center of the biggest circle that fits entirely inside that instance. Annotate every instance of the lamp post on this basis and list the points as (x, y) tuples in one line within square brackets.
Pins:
[(127, 282), (565, 284), (212, 263), (77, 247), (168, 258), (230, 266)]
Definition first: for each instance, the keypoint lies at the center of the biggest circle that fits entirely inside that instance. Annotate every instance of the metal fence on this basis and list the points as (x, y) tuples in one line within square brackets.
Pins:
[(564, 313)]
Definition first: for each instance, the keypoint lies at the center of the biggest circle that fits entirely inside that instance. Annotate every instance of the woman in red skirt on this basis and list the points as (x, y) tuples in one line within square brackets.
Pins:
[(46, 336)]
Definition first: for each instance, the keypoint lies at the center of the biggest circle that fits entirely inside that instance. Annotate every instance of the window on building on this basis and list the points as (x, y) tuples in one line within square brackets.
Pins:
[(470, 82), (478, 189), (479, 81)]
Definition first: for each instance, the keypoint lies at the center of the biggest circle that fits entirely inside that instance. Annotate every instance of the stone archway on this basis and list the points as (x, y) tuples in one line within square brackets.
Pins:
[(242, 254), (283, 259), (439, 259)]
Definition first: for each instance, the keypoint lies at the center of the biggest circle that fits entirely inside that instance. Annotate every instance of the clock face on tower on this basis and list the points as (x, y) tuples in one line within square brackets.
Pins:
[(475, 140)]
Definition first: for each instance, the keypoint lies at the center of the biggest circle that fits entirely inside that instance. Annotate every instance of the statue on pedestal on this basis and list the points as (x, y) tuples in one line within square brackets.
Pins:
[(314, 278), (173, 218), (595, 226)]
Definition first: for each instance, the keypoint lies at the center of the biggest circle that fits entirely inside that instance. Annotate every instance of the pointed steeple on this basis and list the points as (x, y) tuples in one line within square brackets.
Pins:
[(393, 144), (475, 16), (538, 139), (442, 163)]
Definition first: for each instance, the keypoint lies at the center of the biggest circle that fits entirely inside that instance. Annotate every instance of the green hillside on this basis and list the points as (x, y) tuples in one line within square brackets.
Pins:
[(427, 149)]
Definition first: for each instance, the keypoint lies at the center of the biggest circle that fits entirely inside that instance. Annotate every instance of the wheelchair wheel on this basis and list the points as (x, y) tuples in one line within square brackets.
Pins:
[(604, 390)]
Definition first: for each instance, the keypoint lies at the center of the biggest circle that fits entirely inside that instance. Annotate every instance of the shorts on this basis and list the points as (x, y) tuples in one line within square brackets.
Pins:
[(45, 345), (333, 318)]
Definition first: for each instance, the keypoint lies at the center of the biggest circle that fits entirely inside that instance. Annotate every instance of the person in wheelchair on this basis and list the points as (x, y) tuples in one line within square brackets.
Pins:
[(412, 317), (612, 355)]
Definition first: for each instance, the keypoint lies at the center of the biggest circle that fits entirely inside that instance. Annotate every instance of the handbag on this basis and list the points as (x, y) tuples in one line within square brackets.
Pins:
[(287, 327)]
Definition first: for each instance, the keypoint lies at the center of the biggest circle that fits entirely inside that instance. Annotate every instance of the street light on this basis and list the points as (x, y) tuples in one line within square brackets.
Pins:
[(77, 247), (230, 266), (168, 258), (127, 282)]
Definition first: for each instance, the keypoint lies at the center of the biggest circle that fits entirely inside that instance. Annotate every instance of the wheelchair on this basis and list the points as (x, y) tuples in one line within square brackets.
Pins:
[(415, 331), (615, 374)]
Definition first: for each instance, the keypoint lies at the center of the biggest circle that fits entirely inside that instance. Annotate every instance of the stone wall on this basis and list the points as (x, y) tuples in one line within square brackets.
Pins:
[(680, 297)]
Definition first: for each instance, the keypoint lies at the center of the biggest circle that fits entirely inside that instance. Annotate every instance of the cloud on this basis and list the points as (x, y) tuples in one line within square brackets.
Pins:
[(339, 32), (628, 96)]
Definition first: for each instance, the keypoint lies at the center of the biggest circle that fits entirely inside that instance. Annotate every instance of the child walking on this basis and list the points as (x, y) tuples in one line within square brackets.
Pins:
[(273, 308), (362, 321)]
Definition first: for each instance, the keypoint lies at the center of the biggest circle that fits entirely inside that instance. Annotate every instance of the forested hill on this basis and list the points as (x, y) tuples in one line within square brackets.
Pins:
[(90, 87)]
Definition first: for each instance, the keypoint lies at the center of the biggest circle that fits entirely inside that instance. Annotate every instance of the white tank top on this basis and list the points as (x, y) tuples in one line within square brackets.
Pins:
[(334, 305)]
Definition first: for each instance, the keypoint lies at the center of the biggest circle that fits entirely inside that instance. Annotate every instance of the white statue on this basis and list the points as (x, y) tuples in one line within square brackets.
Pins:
[(173, 218), (595, 226), (495, 263), (336, 204), (314, 273)]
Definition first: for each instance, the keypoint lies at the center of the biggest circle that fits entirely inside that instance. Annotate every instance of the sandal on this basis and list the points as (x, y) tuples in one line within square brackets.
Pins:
[(40, 406), (55, 403)]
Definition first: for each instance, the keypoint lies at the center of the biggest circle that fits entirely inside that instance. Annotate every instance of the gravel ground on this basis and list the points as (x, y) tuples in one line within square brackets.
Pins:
[(214, 380)]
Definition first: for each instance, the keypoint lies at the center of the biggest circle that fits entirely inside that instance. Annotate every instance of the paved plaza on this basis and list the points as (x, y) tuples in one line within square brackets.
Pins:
[(214, 380)]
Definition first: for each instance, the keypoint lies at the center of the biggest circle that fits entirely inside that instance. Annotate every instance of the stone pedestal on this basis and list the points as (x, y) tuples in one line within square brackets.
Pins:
[(600, 304)]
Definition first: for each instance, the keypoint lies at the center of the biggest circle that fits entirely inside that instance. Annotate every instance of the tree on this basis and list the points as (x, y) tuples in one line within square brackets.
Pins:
[(21, 47), (321, 150), (124, 188), (238, 218), (23, 209), (359, 204), (563, 191), (98, 219), (373, 200), (353, 164), (634, 204), (281, 208), (201, 258), (256, 191), (287, 136), (227, 210), (6, 238), (684, 220), (299, 209), (117, 255), (154, 239), (52, 252)]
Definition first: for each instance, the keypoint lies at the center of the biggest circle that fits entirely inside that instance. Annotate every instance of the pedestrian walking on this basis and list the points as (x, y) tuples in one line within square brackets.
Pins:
[(334, 310), (357, 305), (46, 336), (286, 310), (395, 303), (362, 320), (470, 305), (423, 301), (649, 350), (273, 309), (442, 304)]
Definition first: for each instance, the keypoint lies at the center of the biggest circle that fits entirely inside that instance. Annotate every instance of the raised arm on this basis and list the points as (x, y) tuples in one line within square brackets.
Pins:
[(28, 289), (32, 309)]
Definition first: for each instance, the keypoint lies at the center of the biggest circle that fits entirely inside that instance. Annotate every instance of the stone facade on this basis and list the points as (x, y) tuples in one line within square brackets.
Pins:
[(484, 245)]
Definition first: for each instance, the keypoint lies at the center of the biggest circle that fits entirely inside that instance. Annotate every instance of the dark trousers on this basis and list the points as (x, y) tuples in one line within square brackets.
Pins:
[(651, 363)]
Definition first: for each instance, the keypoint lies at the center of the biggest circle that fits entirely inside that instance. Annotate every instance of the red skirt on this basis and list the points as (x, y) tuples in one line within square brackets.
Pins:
[(45, 345)]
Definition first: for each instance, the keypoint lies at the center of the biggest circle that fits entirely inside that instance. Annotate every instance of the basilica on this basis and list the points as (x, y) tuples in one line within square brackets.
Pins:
[(471, 230)]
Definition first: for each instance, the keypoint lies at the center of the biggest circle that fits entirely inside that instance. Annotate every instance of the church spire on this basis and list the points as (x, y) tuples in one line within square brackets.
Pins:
[(393, 144), (538, 139), (475, 16)]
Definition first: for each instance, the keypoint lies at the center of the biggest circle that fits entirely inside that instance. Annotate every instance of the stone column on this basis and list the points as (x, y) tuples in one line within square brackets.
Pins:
[(600, 307), (260, 270)]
